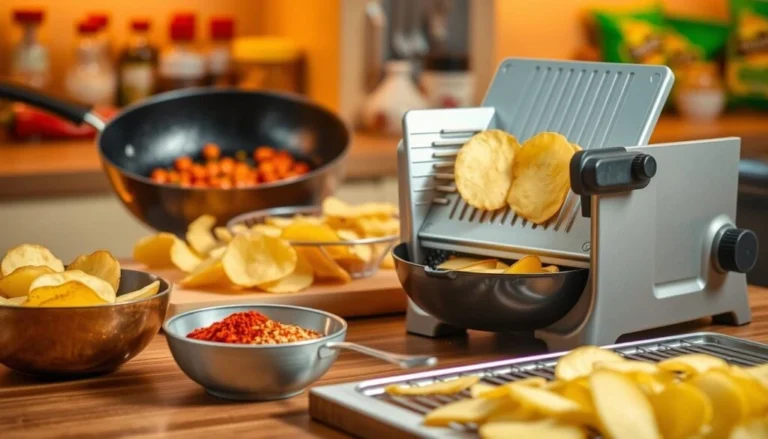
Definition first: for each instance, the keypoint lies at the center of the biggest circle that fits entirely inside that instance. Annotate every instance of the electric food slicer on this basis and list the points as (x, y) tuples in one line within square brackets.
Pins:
[(646, 238)]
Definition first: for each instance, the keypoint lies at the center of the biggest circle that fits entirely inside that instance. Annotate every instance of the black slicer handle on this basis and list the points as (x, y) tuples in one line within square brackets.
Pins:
[(70, 110), (609, 171)]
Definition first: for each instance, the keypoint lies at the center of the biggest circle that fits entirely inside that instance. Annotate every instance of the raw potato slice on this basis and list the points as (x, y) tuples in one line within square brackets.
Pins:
[(550, 404), (503, 390), (753, 429), (462, 411), (258, 259), (301, 278), (478, 389), (29, 255), (183, 257), (143, 293), (513, 413), (501, 266), (481, 266), (527, 265), (324, 267), (218, 252), (755, 392), (541, 177), (439, 388), (578, 392), (101, 264), (581, 361), (539, 429), (576, 148), (652, 384), (155, 251), (268, 230), (14, 301), (483, 169), (693, 364), (222, 234), (682, 411), (464, 263), (199, 234), (729, 404), (210, 272), (17, 283), (239, 229), (628, 366), (551, 269), (279, 222), (623, 410)]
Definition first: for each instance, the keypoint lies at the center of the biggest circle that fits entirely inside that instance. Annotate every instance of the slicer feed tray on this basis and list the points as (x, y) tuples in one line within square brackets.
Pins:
[(405, 414), (595, 105)]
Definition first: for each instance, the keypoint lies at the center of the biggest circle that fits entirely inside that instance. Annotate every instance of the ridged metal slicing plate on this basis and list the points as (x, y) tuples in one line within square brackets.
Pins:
[(595, 105)]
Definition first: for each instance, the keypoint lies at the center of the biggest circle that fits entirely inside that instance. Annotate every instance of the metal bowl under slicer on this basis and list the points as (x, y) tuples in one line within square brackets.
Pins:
[(254, 372), (490, 302), (377, 248), (81, 341)]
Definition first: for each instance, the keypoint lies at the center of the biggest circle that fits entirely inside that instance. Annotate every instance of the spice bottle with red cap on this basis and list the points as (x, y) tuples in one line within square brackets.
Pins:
[(220, 70), (181, 64), (137, 65), (91, 77), (30, 63), (103, 36)]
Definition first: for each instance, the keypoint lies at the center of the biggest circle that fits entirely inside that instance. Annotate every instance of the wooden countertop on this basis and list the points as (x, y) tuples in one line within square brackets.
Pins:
[(150, 397)]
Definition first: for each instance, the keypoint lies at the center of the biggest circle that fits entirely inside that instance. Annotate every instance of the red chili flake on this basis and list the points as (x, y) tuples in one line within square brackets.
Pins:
[(251, 327)]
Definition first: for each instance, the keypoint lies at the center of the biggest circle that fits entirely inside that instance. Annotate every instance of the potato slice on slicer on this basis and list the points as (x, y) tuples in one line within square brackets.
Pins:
[(440, 388), (483, 169)]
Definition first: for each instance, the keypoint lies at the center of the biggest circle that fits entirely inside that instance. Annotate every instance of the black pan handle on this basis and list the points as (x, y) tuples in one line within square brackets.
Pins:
[(73, 111)]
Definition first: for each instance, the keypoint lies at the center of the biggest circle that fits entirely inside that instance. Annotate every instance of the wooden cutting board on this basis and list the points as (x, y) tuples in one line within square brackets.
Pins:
[(375, 295)]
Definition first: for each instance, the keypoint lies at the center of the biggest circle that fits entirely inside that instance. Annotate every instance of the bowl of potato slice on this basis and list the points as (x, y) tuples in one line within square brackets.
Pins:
[(85, 318)]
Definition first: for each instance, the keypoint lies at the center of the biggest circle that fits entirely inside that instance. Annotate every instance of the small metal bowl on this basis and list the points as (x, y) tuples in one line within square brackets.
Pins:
[(379, 247), (82, 341), (490, 302), (252, 372)]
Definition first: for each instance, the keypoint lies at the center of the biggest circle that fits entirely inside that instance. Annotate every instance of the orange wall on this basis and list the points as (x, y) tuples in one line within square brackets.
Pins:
[(550, 29), (315, 26)]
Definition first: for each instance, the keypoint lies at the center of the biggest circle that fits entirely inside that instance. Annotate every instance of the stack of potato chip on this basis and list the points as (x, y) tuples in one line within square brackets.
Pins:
[(33, 276), (493, 170), (597, 392), (263, 257)]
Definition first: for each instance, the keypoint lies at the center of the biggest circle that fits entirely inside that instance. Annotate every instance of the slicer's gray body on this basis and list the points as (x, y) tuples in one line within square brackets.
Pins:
[(649, 251)]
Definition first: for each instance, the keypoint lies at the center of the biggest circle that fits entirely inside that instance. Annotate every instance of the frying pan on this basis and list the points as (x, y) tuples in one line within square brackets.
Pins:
[(157, 130)]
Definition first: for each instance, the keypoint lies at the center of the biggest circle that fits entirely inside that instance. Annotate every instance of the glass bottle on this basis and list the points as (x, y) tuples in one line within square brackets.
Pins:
[(137, 65), (91, 78), (181, 65), (30, 64), (220, 52)]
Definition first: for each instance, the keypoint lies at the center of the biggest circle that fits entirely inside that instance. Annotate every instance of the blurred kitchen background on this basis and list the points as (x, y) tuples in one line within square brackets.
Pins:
[(369, 61)]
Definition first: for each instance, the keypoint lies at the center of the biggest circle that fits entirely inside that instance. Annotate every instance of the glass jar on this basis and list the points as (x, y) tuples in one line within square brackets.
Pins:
[(91, 78), (30, 64), (137, 65), (181, 64), (699, 93), (220, 70), (269, 63)]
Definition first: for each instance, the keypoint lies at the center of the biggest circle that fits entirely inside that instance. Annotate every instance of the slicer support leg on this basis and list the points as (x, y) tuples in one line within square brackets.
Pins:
[(420, 323), (737, 317)]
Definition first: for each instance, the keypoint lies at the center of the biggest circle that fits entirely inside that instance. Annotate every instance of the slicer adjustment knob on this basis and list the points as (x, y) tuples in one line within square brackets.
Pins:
[(737, 250), (643, 167)]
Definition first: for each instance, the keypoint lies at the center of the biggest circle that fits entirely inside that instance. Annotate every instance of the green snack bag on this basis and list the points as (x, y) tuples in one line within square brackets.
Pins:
[(689, 40), (632, 36), (747, 54)]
